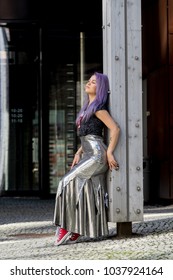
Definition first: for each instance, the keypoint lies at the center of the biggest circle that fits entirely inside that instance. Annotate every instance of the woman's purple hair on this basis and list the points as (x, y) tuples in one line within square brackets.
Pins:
[(102, 93)]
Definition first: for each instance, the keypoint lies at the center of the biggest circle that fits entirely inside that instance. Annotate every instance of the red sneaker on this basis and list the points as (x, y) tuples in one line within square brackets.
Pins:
[(62, 236), (73, 238)]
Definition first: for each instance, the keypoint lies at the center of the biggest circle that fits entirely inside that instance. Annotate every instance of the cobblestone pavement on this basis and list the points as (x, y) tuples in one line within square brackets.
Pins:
[(27, 233)]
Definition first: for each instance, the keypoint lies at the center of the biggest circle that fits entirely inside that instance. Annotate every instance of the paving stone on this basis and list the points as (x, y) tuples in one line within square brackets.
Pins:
[(27, 232)]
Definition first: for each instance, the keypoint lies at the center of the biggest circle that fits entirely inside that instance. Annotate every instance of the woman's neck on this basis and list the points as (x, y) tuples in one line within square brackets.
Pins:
[(91, 99)]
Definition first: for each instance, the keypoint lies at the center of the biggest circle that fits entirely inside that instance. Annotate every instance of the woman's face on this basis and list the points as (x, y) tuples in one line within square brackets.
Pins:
[(90, 86)]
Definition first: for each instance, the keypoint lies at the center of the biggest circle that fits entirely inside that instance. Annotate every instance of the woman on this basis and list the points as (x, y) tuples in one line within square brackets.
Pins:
[(81, 200)]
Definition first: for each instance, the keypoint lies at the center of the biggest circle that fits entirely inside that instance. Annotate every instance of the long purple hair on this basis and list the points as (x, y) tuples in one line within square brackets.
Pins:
[(102, 93)]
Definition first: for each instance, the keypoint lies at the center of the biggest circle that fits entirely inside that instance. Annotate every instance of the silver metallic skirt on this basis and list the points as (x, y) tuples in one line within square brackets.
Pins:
[(81, 200)]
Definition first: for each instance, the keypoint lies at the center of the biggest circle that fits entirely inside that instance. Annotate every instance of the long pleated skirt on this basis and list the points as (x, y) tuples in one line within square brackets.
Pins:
[(82, 199)]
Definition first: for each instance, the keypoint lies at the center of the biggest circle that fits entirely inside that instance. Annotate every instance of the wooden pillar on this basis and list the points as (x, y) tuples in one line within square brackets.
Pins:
[(123, 64)]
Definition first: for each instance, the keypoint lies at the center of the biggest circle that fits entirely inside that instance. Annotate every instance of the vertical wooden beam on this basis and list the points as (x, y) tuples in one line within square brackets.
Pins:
[(134, 101), (122, 62), (114, 61)]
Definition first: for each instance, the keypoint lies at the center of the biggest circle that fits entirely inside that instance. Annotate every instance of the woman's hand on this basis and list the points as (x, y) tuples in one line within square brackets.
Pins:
[(75, 160), (77, 157), (113, 164)]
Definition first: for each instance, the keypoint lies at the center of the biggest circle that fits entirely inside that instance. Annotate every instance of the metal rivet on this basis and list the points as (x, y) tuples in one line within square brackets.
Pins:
[(137, 124), (110, 200), (136, 58), (118, 189), (116, 57), (138, 168), (118, 210), (138, 188), (138, 211), (109, 24)]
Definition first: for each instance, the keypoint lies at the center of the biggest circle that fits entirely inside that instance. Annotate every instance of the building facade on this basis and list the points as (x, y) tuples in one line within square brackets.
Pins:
[(48, 53)]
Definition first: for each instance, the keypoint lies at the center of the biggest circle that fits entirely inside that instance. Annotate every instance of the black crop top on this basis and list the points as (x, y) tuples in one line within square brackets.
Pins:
[(92, 126)]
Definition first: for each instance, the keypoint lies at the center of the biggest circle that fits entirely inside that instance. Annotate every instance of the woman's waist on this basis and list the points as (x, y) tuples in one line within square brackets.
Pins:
[(91, 137), (93, 144)]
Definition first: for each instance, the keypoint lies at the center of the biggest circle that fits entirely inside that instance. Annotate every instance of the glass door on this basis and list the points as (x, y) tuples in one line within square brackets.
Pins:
[(23, 58), (62, 132), (47, 70), (61, 67)]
